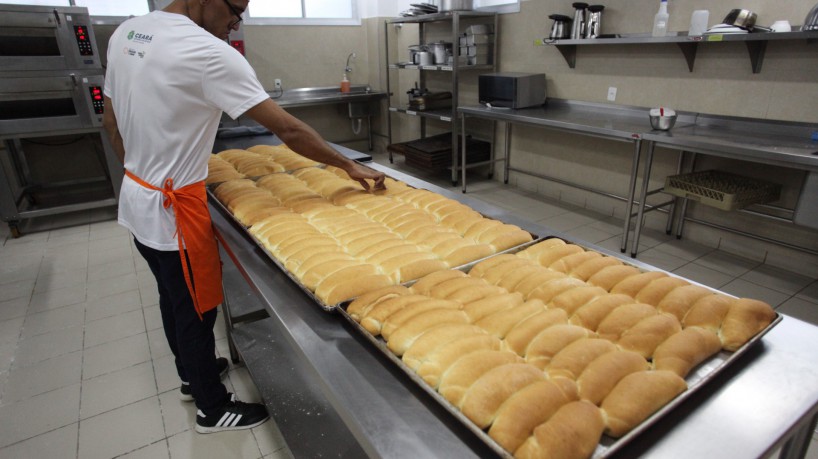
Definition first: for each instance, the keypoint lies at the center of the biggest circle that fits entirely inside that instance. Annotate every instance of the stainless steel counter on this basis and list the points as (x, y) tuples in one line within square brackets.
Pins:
[(333, 394), (305, 97)]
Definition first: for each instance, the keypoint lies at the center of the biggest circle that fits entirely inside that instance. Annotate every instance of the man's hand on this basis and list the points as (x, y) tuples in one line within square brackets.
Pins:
[(360, 173)]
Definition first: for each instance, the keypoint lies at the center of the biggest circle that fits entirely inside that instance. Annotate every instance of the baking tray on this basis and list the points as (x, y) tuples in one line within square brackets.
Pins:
[(331, 307), (702, 374)]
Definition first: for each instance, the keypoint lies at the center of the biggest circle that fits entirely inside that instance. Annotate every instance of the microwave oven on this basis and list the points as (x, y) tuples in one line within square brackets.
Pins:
[(47, 38), (512, 89)]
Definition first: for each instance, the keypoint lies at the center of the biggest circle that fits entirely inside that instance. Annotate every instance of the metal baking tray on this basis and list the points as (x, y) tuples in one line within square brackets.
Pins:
[(310, 293), (698, 377)]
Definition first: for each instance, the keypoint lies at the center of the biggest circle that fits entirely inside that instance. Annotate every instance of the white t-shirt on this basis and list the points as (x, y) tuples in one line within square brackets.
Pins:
[(169, 81)]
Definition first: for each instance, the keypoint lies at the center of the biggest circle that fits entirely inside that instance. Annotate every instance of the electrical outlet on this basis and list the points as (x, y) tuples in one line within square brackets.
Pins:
[(277, 83), (611, 94)]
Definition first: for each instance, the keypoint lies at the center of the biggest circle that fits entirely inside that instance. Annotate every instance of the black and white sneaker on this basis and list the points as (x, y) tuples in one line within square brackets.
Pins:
[(234, 415), (185, 393)]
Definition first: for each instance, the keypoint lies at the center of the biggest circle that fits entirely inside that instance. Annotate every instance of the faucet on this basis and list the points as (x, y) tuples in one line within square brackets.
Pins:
[(348, 69)]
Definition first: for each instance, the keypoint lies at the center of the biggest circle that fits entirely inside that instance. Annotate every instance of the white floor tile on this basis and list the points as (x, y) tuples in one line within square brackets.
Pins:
[(59, 280), (777, 279), (113, 305), (167, 378), (158, 450), (54, 299), (177, 415), (727, 263), (121, 431), (661, 260), (106, 287), (589, 234), (119, 388), (243, 385), (62, 406), (44, 347), (12, 309), (115, 355), (58, 443), (240, 443), (684, 249), (810, 293), (153, 318), (114, 328), (104, 257), (742, 288), (159, 344), (19, 289), (269, 438), (39, 378), (703, 275), (800, 309), (110, 270), (10, 330), (53, 320)]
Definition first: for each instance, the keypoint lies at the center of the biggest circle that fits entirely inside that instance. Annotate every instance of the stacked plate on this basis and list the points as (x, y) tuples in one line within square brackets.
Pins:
[(419, 9), (725, 29)]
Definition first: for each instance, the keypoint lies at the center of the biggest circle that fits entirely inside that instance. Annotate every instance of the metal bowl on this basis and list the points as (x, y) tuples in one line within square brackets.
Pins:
[(662, 123)]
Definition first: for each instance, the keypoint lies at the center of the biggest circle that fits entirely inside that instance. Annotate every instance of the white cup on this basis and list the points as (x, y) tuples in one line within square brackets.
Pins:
[(781, 26), (698, 22)]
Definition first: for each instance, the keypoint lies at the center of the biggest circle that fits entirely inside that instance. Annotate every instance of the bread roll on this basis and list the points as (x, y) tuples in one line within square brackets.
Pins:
[(686, 349), (446, 288), (592, 266), (342, 291), (571, 361), (464, 372), (485, 396), (493, 274), (403, 337), (319, 272), (342, 276), (573, 432), (480, 268), (657, 289), (546, 292), (511, 239), (425, 284), (479, 227), (499, 323), (744, 319), (603, 373), (364, 303), (468, 294), (420, 262), (374, 317), (546, 344), (438, 361), (510, 280), (493, 233), (410, 310), (468, 254), (435, 338), (708, 312), (547, 257), (417, 269), (648, 333), (633, 284), (568, 263), (636, 397), (535, 250), (608, 277), (679, 301), (595, 311), (317, 259), (520, 336), (527, 408), (476, 310), (623, 318), (575, 298), (537, 279)]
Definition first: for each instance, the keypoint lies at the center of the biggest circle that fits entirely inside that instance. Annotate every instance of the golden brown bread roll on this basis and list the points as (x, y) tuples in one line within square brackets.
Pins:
[(575, 298), (510, 280), (744, 319), (347, 290), (495, 232), (344, 276), (633, 284), (493, 274), (529, 407), (679, 301), (373, 317), (648, 333), (485, 396), (446, 288), (470, 293), (519, 337), (535, 250), (593, 313), (445, 243), (609, 276), (465, 371), (364, 303), (511, 239), (657, 289), (313, 276), (480, 268), (476, 310), (592, 266), (547, 343), (419, 268), (708, 312), (573, 432), (410, 310), (567, 263), (468, 254), (636, 397), (572, 360), (537, 279), (603, 373), (403, 337), (435, 338), (479, 227), (686, 349), (623, 318), (438, 361), (547, 257), (547, 291), (425, 284), (499, 323), (317, 259)]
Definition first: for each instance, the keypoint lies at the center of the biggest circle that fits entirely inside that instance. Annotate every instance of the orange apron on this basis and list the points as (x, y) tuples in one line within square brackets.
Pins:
[(194, 230)]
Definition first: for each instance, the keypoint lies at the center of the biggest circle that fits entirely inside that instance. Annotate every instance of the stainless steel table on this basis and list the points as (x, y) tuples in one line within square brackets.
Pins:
[(333, 394)]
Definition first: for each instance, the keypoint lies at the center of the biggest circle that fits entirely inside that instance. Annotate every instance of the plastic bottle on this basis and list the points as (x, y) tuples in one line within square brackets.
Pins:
[(660, 21), (345, 85)]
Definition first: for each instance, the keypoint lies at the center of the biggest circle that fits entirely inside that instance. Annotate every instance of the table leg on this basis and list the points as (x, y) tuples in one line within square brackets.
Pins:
[(637, 151), (669, 227), (462, 153), (680, 226), (228, 323), (507, 141), (643, 198), (798, 444)]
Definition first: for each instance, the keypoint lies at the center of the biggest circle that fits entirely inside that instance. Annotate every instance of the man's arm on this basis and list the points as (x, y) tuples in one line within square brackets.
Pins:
[(112, 128), (303, 139)]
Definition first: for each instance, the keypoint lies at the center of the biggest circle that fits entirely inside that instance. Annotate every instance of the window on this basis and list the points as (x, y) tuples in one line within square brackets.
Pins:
[(304, 12), (38, 2), (500, 6), (123, 8)]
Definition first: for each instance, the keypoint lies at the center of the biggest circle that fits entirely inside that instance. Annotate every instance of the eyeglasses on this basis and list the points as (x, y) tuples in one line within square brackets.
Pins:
[(235, 12)]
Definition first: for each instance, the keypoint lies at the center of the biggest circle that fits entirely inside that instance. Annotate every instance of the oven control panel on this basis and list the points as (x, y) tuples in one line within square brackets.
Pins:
[(97, 101), (83, 40)]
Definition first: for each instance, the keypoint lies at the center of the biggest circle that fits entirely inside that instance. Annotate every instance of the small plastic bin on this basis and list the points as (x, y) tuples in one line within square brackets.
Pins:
[(722, 190)]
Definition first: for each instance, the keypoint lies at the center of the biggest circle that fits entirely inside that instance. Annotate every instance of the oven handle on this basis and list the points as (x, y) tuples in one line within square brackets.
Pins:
[(74, 80), (57, 17)]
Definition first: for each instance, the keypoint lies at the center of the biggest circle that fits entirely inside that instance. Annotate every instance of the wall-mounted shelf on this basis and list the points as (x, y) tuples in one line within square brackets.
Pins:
[(441, 115), (756, 44), (442, 68)]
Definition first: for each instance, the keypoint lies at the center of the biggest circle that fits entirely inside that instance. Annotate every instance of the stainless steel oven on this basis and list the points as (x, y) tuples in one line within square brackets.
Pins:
[(47, 38)]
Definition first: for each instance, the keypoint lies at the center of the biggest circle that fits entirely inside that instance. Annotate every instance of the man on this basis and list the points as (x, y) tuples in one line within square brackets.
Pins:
[(170, 76)]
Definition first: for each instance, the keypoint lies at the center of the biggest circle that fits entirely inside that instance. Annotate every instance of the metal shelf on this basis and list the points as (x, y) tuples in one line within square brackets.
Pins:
[(756, 44), (444, 114), (436, 17), (440, 68)]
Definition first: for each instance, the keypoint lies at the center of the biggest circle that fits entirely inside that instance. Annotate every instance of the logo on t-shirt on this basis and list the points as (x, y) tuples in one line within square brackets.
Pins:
[(139, 37)]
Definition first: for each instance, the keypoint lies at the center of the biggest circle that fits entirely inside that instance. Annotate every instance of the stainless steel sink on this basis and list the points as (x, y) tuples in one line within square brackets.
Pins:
[(331, 92)]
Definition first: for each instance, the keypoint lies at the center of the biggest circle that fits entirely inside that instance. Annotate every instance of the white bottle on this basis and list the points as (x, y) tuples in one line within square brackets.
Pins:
[(660, 21)]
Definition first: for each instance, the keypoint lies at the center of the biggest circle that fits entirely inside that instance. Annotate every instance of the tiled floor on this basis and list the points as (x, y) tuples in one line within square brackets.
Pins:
[(85, 370)]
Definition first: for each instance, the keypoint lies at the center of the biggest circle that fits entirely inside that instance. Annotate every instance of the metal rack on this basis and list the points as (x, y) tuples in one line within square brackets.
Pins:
[(456, 20)]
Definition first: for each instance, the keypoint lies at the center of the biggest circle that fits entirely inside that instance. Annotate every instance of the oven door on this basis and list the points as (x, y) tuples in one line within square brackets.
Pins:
[(50, 103), (46, 38)]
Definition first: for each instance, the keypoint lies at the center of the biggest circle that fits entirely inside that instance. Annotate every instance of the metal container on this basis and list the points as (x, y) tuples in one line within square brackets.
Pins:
[(456, 5), (580, 20), (744, 19), (441, 51), (424, 58), (560, 29), (662, 123), (811, 21), (594, 26)]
